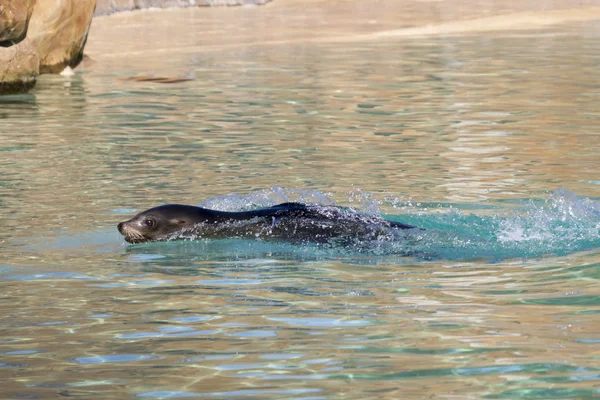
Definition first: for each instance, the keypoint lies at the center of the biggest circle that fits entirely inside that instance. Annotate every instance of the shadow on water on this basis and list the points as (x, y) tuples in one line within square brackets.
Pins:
[(26, 99), (12, 106), (65, 93)]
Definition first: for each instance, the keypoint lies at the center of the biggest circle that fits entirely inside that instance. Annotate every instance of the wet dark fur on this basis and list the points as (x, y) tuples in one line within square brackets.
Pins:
[(292, 222)]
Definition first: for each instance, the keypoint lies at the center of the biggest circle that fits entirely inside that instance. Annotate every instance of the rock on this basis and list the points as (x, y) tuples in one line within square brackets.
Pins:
[(59, 29), (111, 6), (19, 67), (14, 18), (55, 34)]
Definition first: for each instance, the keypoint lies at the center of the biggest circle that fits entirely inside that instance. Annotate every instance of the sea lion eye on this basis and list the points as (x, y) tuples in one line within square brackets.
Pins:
[(149, 223)]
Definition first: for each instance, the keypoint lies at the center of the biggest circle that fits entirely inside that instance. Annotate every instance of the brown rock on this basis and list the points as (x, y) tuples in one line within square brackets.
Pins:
[(19, 67), (59, 29), (14, 18)]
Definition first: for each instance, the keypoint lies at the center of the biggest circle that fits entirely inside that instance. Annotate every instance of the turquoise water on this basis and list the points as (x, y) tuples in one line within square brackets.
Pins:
[(560, 225), (488, 142)]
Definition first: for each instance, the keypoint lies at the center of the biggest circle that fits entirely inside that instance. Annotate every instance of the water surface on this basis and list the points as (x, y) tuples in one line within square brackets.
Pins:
[(488, 138)]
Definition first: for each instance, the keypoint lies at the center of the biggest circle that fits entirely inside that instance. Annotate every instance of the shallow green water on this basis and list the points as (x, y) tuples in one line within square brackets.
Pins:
[(488, 141)]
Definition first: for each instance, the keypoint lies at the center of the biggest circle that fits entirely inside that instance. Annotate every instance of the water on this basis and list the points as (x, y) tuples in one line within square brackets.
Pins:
[(488, 141)]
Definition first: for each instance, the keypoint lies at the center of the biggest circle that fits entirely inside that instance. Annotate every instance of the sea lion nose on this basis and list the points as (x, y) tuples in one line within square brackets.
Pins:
[(120, 227)]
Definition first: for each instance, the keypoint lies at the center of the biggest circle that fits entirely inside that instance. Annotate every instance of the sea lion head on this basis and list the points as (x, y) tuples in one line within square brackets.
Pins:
[(159, 223)]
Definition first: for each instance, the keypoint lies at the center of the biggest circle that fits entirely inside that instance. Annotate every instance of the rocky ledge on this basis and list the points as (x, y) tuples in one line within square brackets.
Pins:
[(105, 7), (39, 36), (19, 67), (46, 36)]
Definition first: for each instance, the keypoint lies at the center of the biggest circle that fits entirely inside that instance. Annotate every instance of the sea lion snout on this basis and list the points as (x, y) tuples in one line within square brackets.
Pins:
[(130, 233)]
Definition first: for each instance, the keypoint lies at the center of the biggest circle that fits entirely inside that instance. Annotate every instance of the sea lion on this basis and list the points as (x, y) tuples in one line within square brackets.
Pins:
[(291, 222)]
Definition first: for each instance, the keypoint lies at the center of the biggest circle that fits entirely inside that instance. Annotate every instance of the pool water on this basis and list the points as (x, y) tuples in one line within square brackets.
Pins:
[(487, 140)]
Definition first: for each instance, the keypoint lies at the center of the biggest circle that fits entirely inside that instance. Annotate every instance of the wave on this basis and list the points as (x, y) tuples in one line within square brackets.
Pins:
[(559, 225)]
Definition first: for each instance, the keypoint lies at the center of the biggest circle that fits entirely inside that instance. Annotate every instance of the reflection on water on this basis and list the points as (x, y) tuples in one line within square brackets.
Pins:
[(468, 135)]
